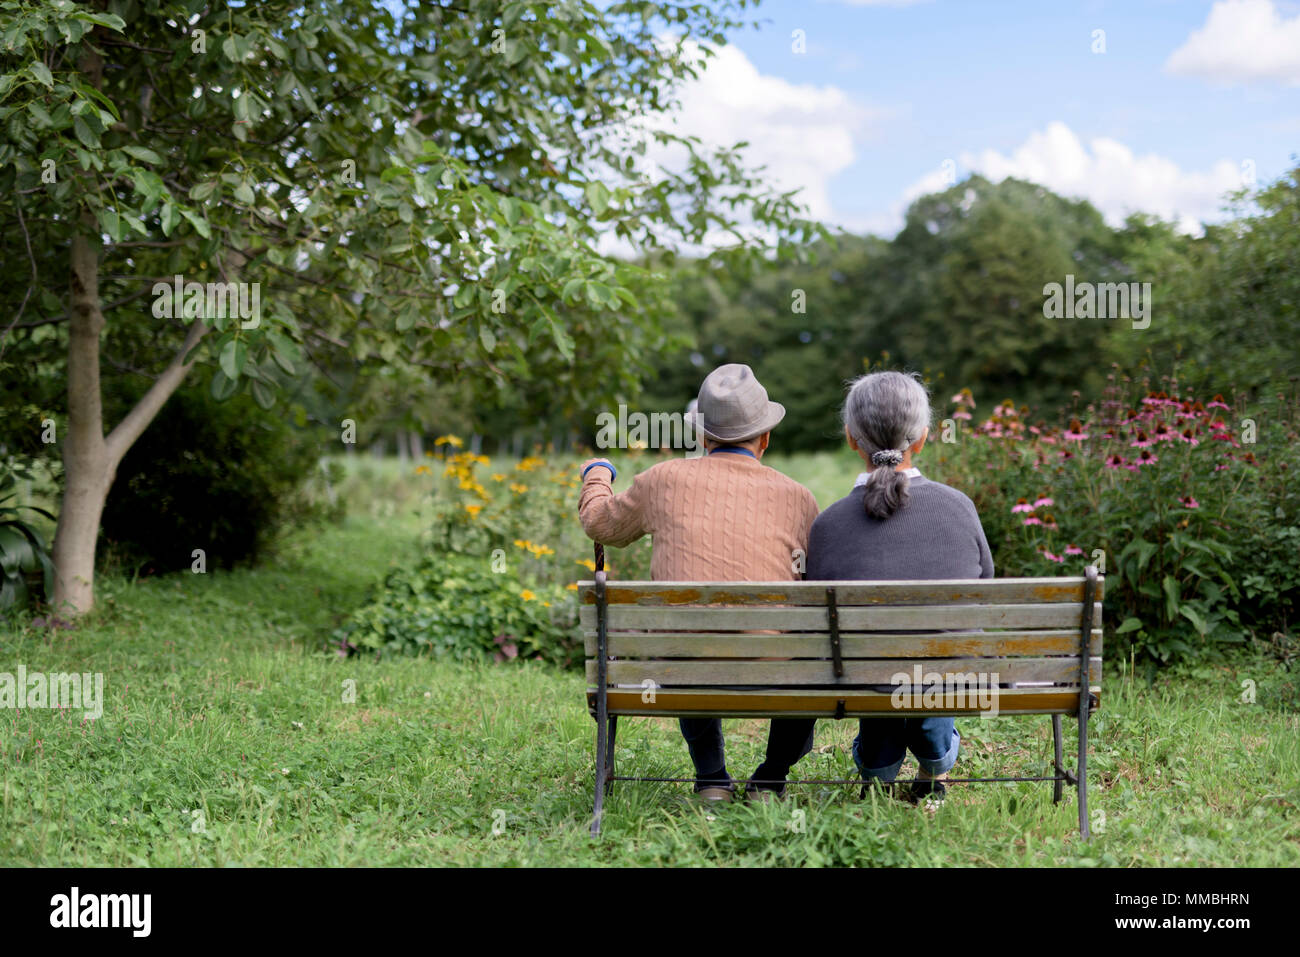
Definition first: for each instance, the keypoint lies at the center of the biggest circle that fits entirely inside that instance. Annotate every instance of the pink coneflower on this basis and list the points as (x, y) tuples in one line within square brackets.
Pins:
[(1188, 502), (1066, 454), (1221, 468), (1141, 442), (961, 414), (1073, 550), (1146, 458), (1161, 433), (1022, 505), (1217, 403), (1049, 521), (1075, 432), (1035, 430), (1187, 436), (1052, 558), (1040, 503), (1115, 461), (1033, 520)]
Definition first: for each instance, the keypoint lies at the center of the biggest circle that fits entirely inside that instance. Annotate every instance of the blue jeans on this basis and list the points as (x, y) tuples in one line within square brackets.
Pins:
[(788, 740), (882, 743)]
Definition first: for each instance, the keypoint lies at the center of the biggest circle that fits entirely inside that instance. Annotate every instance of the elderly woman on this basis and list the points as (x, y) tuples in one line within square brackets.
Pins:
[(897, 524)]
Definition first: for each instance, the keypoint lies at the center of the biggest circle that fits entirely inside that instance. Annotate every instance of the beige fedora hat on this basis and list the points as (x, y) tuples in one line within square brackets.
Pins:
[(733, 406)]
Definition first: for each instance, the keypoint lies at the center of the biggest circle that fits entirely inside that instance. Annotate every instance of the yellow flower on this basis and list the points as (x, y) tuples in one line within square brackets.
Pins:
[(526, 595), (572, 586), (587, 563), (428, 454), (473, 510), (481, 459), (498, 477), (546, 604), (523, 543), (540, 550), (448, 440), (517, 488), (530, 463), (422, 470)]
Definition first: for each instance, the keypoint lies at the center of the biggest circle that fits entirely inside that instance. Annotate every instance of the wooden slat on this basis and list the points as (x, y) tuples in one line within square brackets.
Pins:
[(948, 644), (894, 618), (765, 704), (785, 674), (999, 591)]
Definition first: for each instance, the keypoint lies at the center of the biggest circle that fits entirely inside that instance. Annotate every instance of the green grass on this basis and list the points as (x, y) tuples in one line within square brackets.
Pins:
[(220, 700)]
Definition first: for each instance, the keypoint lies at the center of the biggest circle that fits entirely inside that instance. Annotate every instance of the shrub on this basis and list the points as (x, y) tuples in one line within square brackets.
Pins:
[(224, 477), (1197, 531), (462, 608), (25, 563)]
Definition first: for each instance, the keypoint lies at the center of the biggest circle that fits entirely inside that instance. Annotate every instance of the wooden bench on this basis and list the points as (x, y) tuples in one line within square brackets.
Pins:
[(824, 649)]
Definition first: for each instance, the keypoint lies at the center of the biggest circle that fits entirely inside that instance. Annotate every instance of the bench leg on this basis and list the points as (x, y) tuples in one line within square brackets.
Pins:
[(1057, 785), (602, 756), (609, 752), (1082, 783)]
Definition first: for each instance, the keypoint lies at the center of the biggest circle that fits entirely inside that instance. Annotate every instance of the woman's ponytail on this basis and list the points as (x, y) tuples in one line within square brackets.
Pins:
[(886, 412)]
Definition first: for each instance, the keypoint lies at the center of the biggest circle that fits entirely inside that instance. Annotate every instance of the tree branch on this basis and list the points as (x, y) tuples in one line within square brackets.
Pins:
[(135, 421)]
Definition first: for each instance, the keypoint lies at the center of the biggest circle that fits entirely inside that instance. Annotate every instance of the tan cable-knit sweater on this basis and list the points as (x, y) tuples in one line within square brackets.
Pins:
[(719, 517)]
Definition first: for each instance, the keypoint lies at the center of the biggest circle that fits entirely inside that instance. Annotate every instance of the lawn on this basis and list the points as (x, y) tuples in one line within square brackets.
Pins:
[(226, 739)]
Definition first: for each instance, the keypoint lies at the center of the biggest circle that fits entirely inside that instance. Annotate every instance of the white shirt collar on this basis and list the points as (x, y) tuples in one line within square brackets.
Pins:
[(864, 476)]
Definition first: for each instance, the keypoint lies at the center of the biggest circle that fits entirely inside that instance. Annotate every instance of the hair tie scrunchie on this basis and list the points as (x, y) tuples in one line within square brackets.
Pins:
[(886, 457)]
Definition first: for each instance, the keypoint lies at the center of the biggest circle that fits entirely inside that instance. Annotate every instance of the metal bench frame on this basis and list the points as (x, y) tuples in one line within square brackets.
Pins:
[(607, 724)]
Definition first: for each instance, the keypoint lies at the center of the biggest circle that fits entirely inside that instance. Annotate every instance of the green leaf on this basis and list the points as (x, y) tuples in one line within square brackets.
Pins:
[(488, 338), (170, 218), (199, 223), (84, 133), (244, 193), (1197, 621), (203, 190), (598, 197), (234, 356), (222, 387), (143, 154), (110, 222), (42, 74), (1129, 624), (263, 394)]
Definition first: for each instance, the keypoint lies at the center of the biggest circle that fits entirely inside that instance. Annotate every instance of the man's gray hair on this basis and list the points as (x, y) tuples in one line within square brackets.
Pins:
[(886, 412)]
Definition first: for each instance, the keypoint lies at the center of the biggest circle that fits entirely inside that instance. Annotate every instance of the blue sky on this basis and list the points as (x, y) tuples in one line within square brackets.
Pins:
[(1188, 98)]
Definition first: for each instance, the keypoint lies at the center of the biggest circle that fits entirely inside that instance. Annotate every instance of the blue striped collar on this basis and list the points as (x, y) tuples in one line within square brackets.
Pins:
[(733, 448)]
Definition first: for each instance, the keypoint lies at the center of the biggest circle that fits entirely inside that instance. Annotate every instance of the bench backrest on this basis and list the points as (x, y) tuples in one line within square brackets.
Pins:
[(845, 648)]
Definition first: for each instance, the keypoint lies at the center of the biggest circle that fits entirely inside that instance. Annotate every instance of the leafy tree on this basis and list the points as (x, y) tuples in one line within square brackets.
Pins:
[(410, 184)]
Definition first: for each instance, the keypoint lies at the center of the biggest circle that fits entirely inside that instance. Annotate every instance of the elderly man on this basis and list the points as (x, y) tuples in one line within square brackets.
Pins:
[(722, 516)]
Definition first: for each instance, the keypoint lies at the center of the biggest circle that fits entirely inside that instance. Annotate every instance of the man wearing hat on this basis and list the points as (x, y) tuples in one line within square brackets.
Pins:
[(722, 516)]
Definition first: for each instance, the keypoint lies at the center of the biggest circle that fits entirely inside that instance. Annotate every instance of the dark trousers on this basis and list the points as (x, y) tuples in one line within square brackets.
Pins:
[(788, 740)]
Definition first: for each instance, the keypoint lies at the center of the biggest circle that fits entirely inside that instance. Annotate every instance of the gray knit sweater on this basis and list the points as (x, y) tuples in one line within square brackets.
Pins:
[(937, 534)]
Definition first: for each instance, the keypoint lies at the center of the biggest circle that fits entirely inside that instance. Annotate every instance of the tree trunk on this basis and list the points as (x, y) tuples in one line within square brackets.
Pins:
[(87, 470), (89, 459)]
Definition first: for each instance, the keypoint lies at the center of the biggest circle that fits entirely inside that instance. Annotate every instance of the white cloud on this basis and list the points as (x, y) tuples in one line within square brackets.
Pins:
[(1242, 41), (1105, 172), (803, 134)]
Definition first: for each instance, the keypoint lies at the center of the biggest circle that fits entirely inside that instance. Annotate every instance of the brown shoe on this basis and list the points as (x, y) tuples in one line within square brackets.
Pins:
[(715, 795), (763, 795)]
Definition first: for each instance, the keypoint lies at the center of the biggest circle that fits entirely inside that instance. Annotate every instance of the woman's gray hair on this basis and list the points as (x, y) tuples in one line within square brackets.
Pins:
[(886, 412)]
